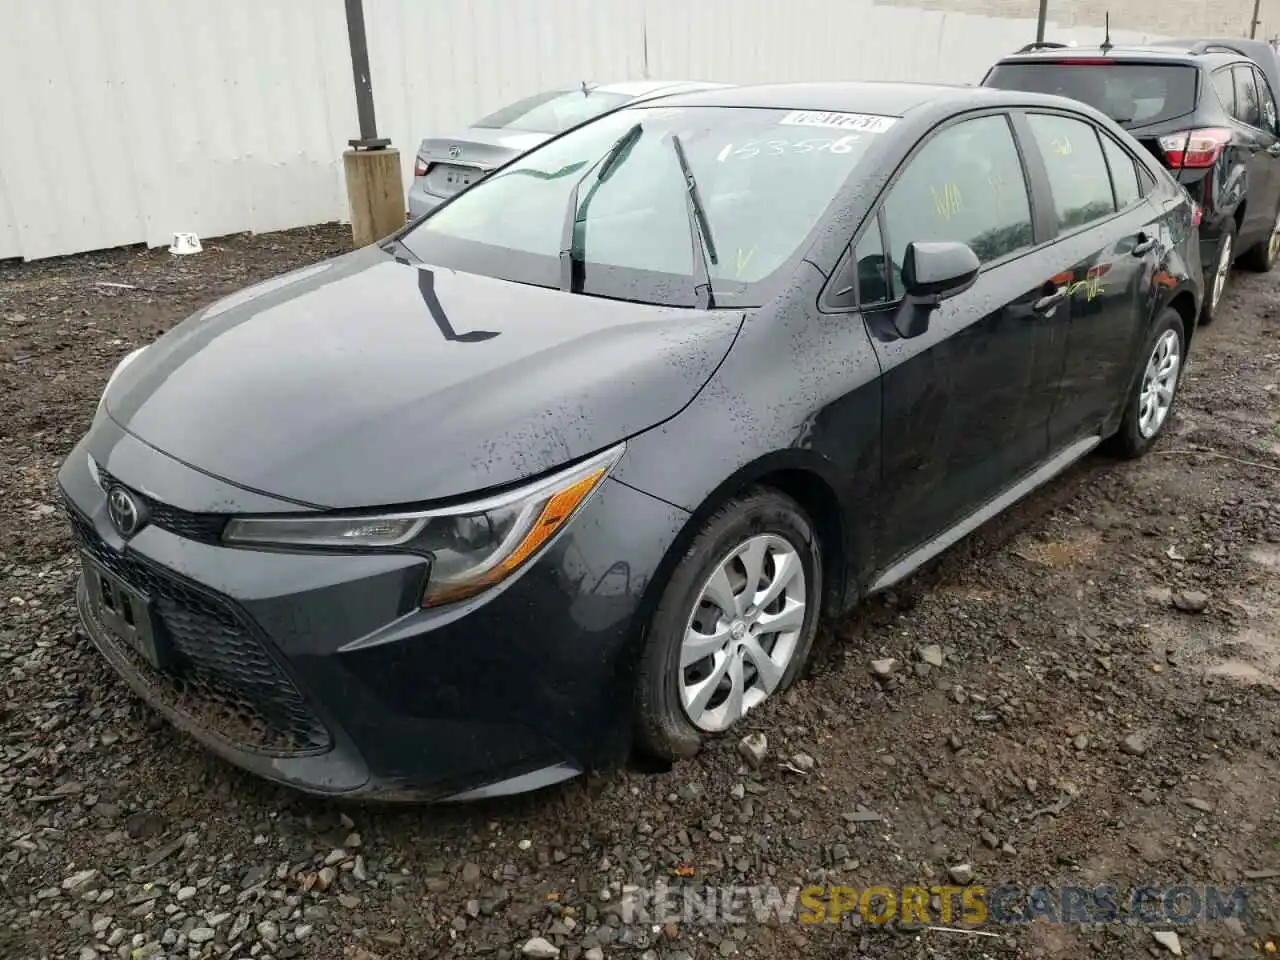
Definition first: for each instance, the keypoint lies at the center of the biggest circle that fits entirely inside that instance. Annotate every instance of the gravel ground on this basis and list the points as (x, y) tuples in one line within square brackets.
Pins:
[(1085, 691)]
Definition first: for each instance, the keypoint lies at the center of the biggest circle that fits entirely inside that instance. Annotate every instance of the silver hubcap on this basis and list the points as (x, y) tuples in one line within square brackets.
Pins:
[(1158, 384), (1224, 268), (1273, 248), (743, 632)]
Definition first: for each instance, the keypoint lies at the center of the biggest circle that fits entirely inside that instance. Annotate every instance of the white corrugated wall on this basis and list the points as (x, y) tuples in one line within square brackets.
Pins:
[(124, 121)]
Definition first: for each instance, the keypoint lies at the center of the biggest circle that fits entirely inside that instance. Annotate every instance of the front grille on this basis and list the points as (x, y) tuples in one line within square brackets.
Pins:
[(204, 527), (225, 682)]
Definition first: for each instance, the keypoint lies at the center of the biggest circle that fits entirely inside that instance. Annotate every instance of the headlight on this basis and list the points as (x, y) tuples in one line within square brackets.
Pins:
[(128, 359), (472, 546)]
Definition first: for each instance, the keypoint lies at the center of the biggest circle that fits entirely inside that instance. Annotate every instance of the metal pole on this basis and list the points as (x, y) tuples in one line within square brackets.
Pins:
[(1040, 20), (369, 139), (1253, 24)]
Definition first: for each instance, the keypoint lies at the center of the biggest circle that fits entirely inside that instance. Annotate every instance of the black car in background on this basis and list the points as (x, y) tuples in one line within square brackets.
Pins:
[(575, 463), (1202, 108)]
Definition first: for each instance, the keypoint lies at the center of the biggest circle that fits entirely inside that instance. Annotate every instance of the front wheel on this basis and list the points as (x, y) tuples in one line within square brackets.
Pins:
[(1150, 404), (734, 625)]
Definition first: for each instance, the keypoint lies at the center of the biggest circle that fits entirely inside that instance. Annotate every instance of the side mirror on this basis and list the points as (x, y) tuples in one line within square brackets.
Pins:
[(931, 273)]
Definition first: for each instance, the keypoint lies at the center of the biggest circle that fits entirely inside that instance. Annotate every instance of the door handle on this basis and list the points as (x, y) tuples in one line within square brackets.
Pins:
[(1143, 246), (1050, 300)]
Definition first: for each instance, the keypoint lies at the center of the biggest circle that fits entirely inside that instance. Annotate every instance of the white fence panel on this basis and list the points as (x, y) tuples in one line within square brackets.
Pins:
[(126, 121), (438, 65), (123, 122)]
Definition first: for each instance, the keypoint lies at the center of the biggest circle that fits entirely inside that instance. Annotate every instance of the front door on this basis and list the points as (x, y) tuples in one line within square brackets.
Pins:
[(964, 404)]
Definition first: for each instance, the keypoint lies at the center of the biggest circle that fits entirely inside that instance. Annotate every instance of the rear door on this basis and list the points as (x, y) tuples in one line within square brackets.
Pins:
[(965, 405), (1256, 144), (1270, 139), (1110, 235)]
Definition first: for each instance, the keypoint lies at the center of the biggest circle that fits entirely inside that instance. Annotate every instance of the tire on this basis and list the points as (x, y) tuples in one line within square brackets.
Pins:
[(1215, 292), (1261, 257), (763, 525), (1135, 436)]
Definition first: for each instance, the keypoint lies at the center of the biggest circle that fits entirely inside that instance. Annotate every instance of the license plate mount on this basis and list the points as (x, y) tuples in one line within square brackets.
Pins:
[(125, 613)]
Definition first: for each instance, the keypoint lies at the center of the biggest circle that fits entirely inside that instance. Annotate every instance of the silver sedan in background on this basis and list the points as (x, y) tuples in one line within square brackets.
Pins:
[(447, 165)]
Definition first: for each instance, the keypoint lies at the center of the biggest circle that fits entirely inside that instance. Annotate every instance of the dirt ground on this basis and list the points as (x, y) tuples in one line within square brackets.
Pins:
[(1131, 603)]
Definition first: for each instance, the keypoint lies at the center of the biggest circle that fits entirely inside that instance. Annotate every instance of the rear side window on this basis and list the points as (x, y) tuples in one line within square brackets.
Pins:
[(1225, 86), (1124, 173), (1248, 109), (1129, 93), (1077, 170), (965, 184), (553, 111)]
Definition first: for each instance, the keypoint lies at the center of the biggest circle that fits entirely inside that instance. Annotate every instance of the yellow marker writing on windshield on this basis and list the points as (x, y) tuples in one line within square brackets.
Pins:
[(744, 260), (947, 203)]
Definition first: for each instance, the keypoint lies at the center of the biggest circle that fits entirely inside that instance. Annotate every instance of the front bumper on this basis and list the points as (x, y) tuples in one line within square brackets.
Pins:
[(320, 671)]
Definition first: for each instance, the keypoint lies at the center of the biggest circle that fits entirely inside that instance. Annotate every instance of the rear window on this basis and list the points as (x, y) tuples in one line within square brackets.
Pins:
[(1132, 94), (552, 112), (766, 179)]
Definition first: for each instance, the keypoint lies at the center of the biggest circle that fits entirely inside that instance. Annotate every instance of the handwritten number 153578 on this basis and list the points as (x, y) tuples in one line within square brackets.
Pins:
[(778, 148)]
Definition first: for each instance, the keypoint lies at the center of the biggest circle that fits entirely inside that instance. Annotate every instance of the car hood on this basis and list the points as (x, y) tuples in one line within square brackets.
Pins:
[(367, 381)]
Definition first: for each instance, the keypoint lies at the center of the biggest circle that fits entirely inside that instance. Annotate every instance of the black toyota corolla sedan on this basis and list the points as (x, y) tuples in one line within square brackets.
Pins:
[(573, 466)]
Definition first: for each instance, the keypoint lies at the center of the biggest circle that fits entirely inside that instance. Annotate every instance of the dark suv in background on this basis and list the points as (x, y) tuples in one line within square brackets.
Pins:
[(1205, 110)]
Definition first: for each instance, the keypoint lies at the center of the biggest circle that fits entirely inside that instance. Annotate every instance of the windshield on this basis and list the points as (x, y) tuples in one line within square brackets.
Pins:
[(553, 111), (1129, 93), (764, 178)]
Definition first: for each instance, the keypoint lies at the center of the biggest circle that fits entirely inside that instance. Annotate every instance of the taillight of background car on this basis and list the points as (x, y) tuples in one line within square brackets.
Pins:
[(420, 167), (1194, 149)]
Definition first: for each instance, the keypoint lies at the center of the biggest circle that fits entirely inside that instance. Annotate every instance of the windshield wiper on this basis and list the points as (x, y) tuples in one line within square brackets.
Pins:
[(570, 255), (704, 247)]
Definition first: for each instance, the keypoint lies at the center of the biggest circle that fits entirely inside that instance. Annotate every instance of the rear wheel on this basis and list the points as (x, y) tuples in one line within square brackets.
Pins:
[(1262, 257), (1150, 404), (1217, 282), (734, 625)]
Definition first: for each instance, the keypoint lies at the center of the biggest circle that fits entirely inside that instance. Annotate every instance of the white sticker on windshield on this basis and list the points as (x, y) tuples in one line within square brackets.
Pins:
[(863, 122)]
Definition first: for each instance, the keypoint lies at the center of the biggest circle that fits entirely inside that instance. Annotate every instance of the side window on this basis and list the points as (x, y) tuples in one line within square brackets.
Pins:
[(873, 279), (965, 184), (1247, 108), (1268, 99), (1124, 173), (1077, 170), (1226, 89)]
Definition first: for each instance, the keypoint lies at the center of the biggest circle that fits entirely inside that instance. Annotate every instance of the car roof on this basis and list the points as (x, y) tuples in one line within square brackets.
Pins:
[(1169, 52), (885, 98), (644, 88), (1252, 48)]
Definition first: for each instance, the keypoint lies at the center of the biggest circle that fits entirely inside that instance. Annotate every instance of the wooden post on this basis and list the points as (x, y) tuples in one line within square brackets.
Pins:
[(375, 194), (375, 188)]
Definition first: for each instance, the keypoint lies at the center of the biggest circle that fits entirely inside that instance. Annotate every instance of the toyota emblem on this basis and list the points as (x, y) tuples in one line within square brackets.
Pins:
[(455, 152), (125, 512)]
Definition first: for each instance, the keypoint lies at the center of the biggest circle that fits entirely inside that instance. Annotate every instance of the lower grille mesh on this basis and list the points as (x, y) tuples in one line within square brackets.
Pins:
[(225, 681)]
